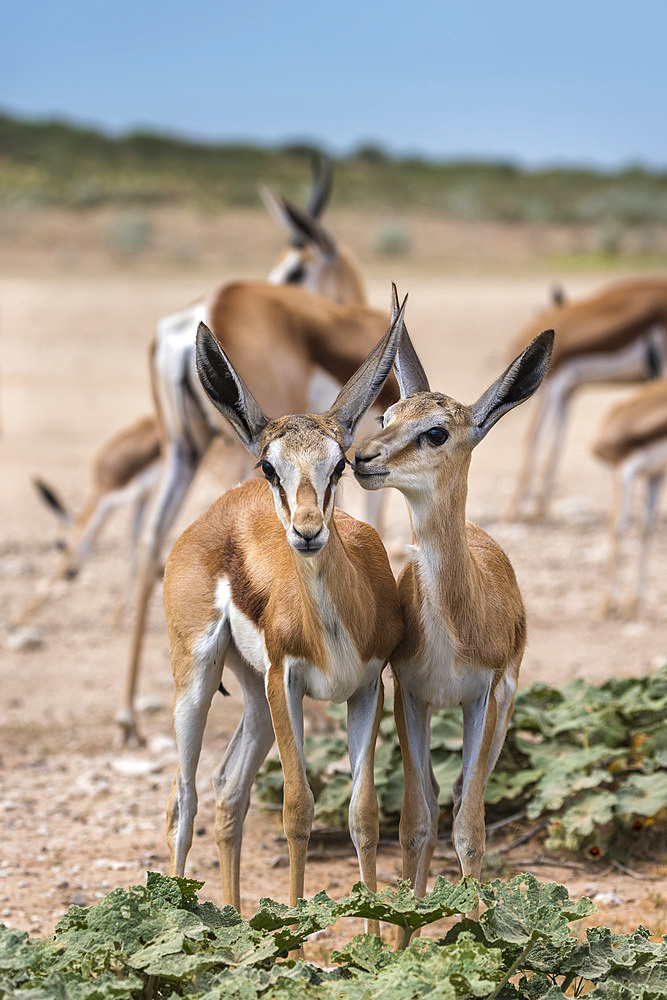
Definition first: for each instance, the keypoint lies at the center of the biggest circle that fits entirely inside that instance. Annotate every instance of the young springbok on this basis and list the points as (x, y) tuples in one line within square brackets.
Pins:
[(633, 439), (279, 330), (306, 595), (617, 335), (464, 619)]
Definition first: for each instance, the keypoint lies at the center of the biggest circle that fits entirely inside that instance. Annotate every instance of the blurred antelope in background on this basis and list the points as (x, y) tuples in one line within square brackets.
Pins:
[(465, 627), (125, 471), (617, 335), (633, 440), (281, 337), (306, 595)]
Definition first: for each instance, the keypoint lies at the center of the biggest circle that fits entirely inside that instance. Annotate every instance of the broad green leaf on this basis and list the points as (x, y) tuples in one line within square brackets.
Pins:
[(643, 794), (400, 906), (524, 910)]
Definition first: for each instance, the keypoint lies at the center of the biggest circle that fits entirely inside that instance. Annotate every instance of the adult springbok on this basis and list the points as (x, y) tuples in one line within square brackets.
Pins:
[(281, 337), (306, 595), (465, 626), (125, 470), (617, 335), (633, 440)]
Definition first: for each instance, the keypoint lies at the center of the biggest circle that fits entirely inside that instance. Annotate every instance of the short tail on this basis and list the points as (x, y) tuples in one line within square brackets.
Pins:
[(53, 501)]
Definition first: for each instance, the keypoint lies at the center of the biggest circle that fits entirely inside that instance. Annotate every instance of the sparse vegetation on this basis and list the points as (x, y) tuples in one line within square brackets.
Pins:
[(53, 163), (590, 763)]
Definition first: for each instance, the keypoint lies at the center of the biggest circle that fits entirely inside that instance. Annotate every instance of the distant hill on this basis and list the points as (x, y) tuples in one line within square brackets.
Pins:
[(54, 163)]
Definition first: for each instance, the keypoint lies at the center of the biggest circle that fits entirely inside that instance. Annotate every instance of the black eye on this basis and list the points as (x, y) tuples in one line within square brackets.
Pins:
[(296, 275), (269, 472), (436, 435), (339, 470)]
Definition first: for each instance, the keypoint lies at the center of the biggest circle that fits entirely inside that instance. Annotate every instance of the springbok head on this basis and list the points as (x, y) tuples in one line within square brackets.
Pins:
[(302, 456), (426, 437), (313, 259)]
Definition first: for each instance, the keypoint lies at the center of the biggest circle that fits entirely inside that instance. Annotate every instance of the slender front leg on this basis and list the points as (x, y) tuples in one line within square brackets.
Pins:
[(233, 779), (536, 430), (479, 726), (179, 468), (364, 712), (141, 501), (545, 490), (618, 526), (653, 487), (285, 698), (418, 826), (196, 681)]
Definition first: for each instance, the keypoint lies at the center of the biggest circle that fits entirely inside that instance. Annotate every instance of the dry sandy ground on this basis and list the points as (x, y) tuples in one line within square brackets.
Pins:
[(78, 817)]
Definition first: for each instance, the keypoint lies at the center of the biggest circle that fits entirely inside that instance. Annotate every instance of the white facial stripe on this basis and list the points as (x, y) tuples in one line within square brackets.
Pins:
[(309, 466)]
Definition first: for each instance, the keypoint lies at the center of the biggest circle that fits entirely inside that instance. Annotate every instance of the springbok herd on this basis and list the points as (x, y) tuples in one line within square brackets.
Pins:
[(304, 592)]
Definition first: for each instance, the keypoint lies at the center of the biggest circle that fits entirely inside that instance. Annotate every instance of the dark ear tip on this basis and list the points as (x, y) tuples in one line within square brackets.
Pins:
[(546, 339)]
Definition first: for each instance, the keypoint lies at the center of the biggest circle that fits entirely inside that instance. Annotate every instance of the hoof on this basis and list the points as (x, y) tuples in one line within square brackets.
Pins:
[(128, 735)]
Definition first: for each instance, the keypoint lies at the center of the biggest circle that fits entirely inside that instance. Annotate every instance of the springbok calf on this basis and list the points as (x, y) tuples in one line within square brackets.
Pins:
[(633, 439), (124, 471), (306, 595), (282, 337), (617, 335), (464, 620)]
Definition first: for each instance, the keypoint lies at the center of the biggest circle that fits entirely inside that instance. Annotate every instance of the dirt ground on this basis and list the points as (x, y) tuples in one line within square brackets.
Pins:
[(78, 816)]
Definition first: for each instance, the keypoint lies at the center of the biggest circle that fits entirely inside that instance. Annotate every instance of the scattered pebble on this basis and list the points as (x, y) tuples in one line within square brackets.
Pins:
[(136, 765), (22, 639), (608, 898)]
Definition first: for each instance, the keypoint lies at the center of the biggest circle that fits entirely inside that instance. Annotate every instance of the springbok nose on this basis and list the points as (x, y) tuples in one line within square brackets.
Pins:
[(308, 534), (362, 455)]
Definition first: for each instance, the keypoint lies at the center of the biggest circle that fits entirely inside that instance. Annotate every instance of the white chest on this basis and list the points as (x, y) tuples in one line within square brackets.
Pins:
[(342, 673), (437, 674)]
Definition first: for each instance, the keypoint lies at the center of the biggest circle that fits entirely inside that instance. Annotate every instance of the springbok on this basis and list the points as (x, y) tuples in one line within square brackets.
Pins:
[(465, 626), (306, 595), (127, 467), (633, 439), (125, 470), (617, 335), (282, 337)]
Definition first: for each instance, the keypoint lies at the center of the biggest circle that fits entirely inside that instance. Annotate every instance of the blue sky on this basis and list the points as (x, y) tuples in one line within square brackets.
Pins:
[(572, 82)]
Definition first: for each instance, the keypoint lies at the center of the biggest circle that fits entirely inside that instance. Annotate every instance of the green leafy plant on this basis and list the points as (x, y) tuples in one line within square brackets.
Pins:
[(160, 941), (592, 761)]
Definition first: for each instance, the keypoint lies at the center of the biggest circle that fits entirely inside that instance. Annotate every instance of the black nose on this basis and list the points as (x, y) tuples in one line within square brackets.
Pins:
[(307, 536), (364, 458)]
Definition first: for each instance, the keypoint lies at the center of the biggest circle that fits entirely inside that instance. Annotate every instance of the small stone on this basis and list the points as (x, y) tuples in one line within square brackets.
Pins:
[(78, 899), (22, 639)]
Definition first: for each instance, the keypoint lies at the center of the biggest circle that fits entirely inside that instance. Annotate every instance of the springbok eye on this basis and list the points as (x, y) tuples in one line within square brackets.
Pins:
[(269, 472), (296, 275), (339, 470), (437, 435)]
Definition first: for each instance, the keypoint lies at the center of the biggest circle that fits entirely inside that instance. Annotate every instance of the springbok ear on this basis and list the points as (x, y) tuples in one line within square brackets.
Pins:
[(410, 374), (322, 166), (362, 389), (304, 229), (516, 384), (227, 390)]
